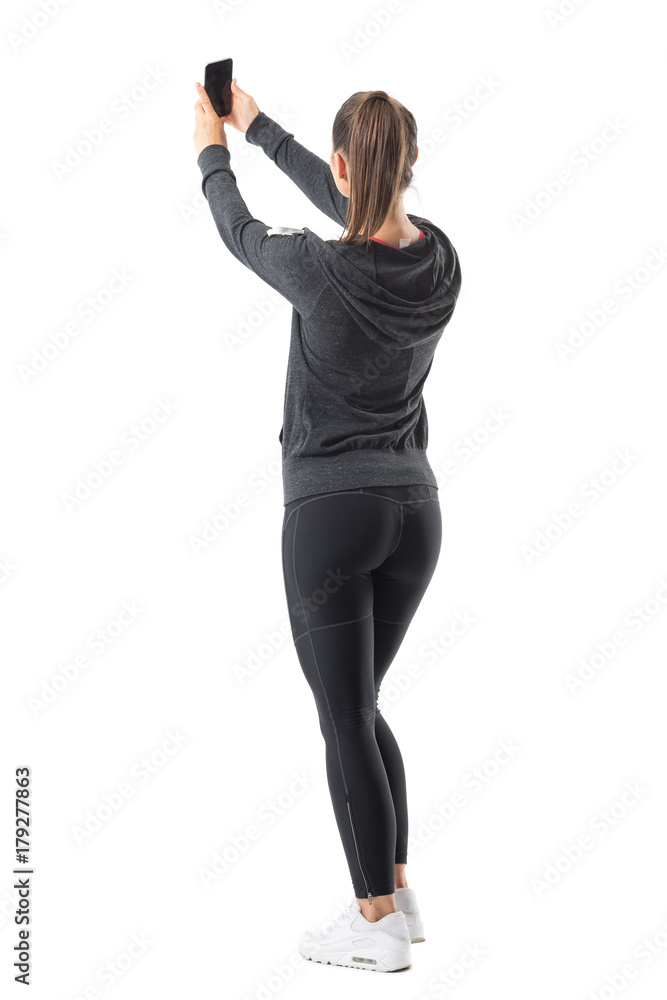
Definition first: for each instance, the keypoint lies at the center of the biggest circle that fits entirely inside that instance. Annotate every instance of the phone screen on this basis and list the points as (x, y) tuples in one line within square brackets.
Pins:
[(218, 85)]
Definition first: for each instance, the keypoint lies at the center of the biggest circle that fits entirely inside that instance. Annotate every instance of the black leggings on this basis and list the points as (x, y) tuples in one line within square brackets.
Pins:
[(356, 564)]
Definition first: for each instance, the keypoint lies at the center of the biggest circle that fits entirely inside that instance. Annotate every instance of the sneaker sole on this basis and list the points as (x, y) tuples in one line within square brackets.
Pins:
[(417, 929), (415, 925), (370, 959)]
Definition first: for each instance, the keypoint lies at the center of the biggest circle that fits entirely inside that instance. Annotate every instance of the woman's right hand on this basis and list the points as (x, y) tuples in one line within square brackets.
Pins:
[(244, 109)]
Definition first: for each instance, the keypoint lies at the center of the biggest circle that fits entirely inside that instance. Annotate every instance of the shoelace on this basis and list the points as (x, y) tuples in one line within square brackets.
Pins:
[(333, 924)]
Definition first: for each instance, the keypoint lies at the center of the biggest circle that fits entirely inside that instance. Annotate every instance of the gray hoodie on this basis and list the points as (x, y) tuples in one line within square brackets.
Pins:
[(365, 326)]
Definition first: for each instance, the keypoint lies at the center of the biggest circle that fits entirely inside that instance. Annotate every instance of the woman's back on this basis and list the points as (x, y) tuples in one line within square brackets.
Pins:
[(354, 413)]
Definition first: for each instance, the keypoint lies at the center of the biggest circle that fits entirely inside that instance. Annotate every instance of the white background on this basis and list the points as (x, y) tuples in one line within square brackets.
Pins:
[(133, 204)]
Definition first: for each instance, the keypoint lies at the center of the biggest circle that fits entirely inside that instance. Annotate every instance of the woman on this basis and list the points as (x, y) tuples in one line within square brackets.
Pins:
[(362, 524)]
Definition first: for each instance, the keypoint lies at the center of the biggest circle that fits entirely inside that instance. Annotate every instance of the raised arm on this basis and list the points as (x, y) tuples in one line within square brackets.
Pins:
[(309, 172), (284, 262)]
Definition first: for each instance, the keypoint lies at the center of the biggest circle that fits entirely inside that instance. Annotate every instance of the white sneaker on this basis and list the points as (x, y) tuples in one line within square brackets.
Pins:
[(350, 939), (406, 901)]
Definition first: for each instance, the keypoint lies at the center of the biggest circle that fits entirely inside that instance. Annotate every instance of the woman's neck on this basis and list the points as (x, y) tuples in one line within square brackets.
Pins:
[(397, 227), (394, 236)]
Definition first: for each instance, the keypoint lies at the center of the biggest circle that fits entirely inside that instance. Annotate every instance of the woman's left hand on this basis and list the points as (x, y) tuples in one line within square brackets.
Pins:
[(209, 127)]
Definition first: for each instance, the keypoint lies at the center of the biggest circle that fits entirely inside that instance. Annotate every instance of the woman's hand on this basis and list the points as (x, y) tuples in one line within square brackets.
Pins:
[(244, 109), (209, 127)]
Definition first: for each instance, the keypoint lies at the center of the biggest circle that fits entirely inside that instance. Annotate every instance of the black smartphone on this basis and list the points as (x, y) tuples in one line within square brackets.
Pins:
[(218, 85)]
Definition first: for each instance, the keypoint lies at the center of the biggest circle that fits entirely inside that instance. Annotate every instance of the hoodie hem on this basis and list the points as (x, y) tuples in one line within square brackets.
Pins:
[(307, 475)]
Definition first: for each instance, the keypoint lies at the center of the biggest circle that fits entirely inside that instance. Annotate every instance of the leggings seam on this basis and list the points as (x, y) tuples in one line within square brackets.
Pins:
[(400, 533), (359, 491), (350, 621)]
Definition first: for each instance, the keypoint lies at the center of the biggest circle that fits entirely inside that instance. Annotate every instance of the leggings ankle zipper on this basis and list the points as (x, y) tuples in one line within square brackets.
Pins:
[(349, 810)]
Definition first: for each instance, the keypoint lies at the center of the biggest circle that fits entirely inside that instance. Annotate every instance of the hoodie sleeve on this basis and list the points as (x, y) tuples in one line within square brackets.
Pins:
[(284, 262), (309, 172)]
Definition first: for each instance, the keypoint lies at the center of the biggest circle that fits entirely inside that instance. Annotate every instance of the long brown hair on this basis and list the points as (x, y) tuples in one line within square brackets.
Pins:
[(378, 137)]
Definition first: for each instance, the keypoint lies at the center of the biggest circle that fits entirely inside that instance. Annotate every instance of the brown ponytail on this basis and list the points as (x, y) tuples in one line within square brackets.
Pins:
[(378, 137)]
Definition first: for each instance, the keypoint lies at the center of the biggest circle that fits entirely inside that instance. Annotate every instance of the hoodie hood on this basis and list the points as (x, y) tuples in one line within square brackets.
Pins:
[(400, 298)]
